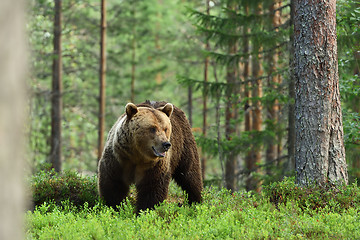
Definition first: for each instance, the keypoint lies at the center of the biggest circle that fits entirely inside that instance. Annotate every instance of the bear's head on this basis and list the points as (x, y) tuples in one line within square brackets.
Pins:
[(150, 130)]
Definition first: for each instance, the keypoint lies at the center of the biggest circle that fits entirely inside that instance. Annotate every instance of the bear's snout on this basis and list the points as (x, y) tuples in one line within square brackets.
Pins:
[(166, 146)]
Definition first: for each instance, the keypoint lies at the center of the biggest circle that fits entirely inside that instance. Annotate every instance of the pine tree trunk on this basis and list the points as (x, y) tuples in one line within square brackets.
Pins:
[(320, 153), (102, 79), (247, 92), (205, 99), (13, 56), (291, 107), (230, 110), (230, 130), (158, 77), (56, 96), (133, 58), (257, 71), (133, 69), (273, 149)]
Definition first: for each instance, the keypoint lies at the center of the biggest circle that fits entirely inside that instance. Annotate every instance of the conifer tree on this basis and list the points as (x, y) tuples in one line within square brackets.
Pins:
[(251, 39), (320, 152)]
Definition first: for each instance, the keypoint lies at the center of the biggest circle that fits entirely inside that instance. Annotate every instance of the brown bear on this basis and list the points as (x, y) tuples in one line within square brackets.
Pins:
[(149, 144)]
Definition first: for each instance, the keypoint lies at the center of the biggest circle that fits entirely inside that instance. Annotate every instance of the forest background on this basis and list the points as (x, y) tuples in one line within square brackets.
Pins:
[(225, 63)]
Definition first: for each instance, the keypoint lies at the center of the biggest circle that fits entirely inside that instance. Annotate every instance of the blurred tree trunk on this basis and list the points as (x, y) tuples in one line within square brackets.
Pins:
[(247, 92), (205, 98), (273, 149), (257, 92), (291, 85), (133, 58), (158, 77), (320, 152), (230, 114), (102, 79), (13, 56), (56, 96)]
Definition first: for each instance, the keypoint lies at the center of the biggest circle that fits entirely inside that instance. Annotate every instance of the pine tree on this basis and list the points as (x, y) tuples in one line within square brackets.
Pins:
[(234, 25), (320, 152), (56, 96)]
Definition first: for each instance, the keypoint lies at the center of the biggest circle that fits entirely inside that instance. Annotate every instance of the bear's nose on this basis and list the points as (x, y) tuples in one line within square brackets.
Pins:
[(166, 145)]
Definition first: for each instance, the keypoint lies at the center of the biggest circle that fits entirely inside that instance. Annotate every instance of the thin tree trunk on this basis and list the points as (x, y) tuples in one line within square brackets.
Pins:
[(273, 82), (133, 69), (102, 79), (218, 127), (205, 99), (320, 152), (230, 110), (158, 77), (257, 120), (291, 131), (13, 68), (133, 59), (56, 96), (247, 92)]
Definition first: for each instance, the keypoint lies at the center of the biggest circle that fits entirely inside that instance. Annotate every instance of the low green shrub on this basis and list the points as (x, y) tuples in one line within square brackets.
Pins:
[(50, 186), (314, 197), (222, 215)]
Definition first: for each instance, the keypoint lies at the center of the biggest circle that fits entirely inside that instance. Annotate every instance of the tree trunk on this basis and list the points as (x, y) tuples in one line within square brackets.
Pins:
[(319, 151), (133, 68), (257, 71), (205, 99), (13, 55), (133, 58), (102, 79), (56, 96), (158, 77), (247, 92), (273, 149), (291, 131), (230, 114)]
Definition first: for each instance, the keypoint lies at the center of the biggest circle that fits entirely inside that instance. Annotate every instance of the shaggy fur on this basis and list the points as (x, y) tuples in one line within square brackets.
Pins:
[(148, 145)]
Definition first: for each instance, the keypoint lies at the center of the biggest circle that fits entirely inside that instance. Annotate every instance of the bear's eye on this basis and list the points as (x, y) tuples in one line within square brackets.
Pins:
[(153, 130), (165, 130)]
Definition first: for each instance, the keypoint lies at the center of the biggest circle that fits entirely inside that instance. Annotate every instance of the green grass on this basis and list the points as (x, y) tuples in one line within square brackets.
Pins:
[(222, 215)]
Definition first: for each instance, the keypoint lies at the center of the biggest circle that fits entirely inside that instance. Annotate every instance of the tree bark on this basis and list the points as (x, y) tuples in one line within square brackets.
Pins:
[(273, 148), (205, 98), (257, 119), (56, 96), (13, 68), (133, 68), (230, 114), (133, 57), (291, 121), (319, 151), (247, 92), (102, 74)]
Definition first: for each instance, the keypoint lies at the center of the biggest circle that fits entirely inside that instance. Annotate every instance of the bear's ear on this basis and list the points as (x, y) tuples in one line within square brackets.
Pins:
[(131, 110), (168, 109)]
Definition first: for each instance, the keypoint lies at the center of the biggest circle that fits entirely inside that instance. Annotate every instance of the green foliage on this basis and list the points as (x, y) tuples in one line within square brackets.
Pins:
[(314, 197), (222, 215), (348, 30), (56, 188), (166, 45)]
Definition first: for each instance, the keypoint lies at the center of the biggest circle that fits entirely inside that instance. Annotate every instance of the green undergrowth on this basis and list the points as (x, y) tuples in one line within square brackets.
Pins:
[(282, 211), (53, 187)]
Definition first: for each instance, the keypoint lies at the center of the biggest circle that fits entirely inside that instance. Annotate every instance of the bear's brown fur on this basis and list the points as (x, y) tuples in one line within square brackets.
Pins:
[(148, 145)]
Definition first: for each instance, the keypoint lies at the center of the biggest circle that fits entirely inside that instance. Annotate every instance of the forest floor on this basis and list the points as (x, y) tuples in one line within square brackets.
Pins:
[(275, 214)]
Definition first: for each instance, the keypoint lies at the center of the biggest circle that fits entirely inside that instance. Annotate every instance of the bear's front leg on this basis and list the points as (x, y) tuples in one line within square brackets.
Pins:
[(112, 190), (152, 189)]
